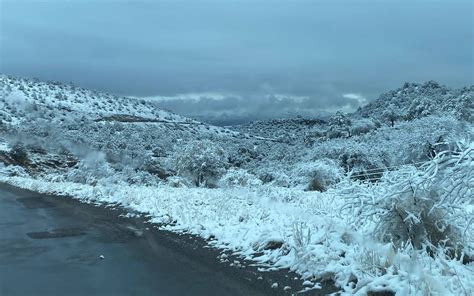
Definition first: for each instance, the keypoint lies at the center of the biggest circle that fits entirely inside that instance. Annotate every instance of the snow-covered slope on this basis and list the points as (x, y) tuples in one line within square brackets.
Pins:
[(411, 101), (289, 130), (415, 100), (63, 119), (60, 102)]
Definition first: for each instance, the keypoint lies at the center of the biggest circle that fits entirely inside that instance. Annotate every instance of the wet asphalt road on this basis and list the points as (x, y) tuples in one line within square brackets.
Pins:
[(52, 246)]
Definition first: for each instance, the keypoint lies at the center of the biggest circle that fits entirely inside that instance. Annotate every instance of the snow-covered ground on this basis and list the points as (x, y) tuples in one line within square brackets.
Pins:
[(376, 204)]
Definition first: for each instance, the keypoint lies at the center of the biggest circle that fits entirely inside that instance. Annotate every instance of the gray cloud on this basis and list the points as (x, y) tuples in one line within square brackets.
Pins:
[(246, 52), (225, 109)]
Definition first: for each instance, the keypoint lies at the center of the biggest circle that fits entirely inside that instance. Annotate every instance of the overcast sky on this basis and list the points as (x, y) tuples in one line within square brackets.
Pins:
[(240, 59)]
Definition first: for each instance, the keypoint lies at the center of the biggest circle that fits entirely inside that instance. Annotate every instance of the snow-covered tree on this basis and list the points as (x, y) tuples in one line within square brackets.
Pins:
[(203, 161), (391, 114), (339, 126), (362, 126)]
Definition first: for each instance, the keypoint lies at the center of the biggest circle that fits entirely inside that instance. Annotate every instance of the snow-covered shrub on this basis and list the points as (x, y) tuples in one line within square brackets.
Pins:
[(357, 158), (426, 208), (391, 114), (178, 182), (421, 106), (90, 169), (464, 109), (362, 126), (238, 177), (336, 132), (311, 136), (156, 168), (301, 238), (386, 146), (276, 177), (19, 154), (202, 161), (320, 174), (243, 155), (413, 231), (361, 163), (13, 171), (143, 178), (339, 126)]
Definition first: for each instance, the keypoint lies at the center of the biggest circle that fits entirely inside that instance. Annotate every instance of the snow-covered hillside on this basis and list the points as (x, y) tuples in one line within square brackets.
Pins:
[(414, 100), (25, 99), (377, 201)]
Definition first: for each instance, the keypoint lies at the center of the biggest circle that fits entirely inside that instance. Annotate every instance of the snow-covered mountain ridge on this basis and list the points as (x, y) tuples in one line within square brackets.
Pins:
[(414, 100), (411, 101)]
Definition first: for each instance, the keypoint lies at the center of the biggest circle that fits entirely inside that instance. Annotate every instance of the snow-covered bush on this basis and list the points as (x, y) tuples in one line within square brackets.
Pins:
[(339, 126), (311, 136), (90, 169), (464, 109), (202, 161), (421, 106), (19, 154), (362, 126), (386, 146), (427, 208), (178, 182), (362, 164), (13, 171), (319, 175), (156, 168), (243, 155), (239, 177), (391, 114)]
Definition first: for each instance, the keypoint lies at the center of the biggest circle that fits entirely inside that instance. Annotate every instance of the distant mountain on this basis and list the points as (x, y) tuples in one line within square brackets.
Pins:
[(411, 101)]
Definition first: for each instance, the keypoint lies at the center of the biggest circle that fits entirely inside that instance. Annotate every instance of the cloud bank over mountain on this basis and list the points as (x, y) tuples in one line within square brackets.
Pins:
[(256, 57), (227, 109)]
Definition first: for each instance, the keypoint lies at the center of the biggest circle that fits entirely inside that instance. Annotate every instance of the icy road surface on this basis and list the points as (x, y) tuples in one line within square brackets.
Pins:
[(57, 246)]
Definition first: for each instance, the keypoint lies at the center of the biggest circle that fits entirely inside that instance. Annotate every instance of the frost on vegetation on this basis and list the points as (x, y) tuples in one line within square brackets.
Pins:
[(177, 181), (386, 147), (415, 100), (203, 161), (424, 207), (13, 171), (19, 155), (238, 177), (318, 175), (89, 170), (424, 216), (379, 200), (348, 233), (363, 126)]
